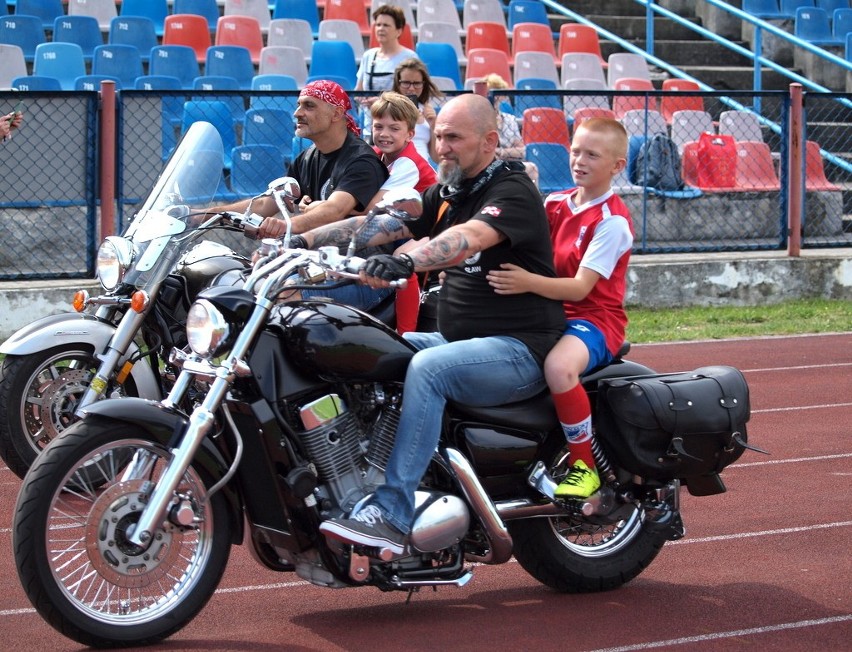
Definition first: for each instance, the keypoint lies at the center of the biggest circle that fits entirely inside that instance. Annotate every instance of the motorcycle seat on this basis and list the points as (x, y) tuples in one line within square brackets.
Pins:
[(535, 414)]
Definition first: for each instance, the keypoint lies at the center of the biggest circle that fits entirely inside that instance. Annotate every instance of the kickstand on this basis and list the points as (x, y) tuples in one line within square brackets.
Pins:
[(411, 592)]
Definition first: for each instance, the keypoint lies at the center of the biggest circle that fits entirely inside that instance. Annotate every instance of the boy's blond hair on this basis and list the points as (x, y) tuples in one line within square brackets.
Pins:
[(397, 106), (609, 126)]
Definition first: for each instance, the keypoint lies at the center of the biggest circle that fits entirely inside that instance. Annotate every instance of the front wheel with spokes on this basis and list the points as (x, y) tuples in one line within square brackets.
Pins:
[(72, 547)]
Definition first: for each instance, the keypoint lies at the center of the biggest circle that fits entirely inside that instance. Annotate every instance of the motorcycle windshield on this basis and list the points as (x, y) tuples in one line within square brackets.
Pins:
[(169, 219)]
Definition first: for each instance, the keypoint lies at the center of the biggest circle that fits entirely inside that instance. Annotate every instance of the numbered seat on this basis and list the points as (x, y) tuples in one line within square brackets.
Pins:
[(27, 32), (292, 32), (103, 10), (482, 61), (121, 61), (243, 31), (230, 61), (307, 10), (276, 127), (61, 60), (545, 125), (257, 9), (138, 31), (155, 10), (46, 10), (189, 30), (283, 60), (441, 60), (176, 61), (253, 167), (218, 114), (334, 59), (207, 8), (82, 30), (576, 37)]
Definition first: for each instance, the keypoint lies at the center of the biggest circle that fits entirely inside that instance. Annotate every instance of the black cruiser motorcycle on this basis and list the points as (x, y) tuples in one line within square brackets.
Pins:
[(296, 426), (117, 343)]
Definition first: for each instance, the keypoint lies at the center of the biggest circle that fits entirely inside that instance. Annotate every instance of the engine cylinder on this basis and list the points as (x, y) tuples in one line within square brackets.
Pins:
[(440, 521)]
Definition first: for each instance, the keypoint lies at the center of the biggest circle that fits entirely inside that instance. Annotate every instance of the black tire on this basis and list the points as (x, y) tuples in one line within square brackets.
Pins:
[(38, 396), (69, 540), (577, 555)]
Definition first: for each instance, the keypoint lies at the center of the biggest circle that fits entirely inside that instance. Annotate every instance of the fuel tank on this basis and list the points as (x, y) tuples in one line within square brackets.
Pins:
[(338, 342), (206, 260)]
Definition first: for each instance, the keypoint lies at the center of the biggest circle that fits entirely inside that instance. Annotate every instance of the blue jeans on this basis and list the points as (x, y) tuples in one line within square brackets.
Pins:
[(481, 371), (355, 294)]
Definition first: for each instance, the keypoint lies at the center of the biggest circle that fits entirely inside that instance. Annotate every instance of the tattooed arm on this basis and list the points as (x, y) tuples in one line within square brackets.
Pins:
[(454, 245), (382, 229)]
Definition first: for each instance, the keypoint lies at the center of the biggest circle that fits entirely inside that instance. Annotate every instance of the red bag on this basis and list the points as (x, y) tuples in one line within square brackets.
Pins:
[(717, 161)]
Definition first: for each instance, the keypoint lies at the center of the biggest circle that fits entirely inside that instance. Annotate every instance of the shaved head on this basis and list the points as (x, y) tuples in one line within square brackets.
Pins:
[(465, 138)]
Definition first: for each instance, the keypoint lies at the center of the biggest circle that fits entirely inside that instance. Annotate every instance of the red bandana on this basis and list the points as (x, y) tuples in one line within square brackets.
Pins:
[(331, 93)]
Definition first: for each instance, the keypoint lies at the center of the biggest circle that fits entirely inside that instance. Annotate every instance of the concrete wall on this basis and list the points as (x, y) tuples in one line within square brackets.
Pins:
[(661, 281)]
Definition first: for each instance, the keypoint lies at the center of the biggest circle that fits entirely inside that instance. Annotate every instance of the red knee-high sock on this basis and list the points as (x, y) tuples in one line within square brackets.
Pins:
[(575, 416)]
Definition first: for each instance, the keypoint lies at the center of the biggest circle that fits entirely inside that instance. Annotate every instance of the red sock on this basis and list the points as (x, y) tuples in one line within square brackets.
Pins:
[(575, 417), (407, 306)]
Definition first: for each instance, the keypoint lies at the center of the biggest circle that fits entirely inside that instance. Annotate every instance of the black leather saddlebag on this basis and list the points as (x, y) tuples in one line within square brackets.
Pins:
[(683, 425)]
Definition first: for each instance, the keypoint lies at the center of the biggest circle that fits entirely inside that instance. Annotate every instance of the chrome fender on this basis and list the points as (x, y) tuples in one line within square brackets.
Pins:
[(85, 330)]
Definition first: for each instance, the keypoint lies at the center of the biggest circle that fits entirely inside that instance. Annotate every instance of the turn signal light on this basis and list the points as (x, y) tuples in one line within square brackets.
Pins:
[(81, 299), (139, 301)]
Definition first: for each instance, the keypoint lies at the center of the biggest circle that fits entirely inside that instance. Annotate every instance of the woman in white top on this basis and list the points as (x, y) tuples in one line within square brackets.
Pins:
[(412, 80), (376, 71)]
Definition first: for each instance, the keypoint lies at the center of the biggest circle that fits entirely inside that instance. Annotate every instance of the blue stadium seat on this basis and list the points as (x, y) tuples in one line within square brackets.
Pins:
[(554, 166), (831, 5), (273, 82), (333, 59), (222, 83), (230, 61), (207, 8), (36, 83), (47, 10), (841, 23), (156, 10), (441, 60), (524, 102), (25, 31), (138, 31), (254, 166), (175, 61), (61, 60), (304, 9), (270, 127), (122, 61), (216, 113), (527, 11), (763, 9), (82, 30), (812, 25), (788, 7), (93, 82)]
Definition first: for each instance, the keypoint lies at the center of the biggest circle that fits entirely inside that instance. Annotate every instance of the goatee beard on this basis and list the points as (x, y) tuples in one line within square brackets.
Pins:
[(450, 174)]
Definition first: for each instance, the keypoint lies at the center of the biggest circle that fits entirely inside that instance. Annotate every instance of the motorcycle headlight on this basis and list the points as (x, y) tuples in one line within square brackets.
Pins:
[(206, 328), (115, 256)]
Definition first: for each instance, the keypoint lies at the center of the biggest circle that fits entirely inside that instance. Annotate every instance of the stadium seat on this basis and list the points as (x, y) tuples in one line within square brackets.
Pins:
[(257, 9), (575, 37), (93, 82), (481, 61), (61, 60), (755, 168), (253, 167), (34, 82), (527, 11), (444, 83), (582, 65), (216, 113), (442, 32), (815, 179), (274, 82), (293, 32), (156, 10), (687, 101), (813, 25), (535, 64), (82, 30), (639, 122), (121, 61), (487, 35), (222, 83), (243, 31), (333, 59), (12, 64), (230, 61), (788, 7), (189, 30), (586, 112), (172, 105), (688, 125), (763, 9), (533, 37), (545, 125), (348, 10), (441, 60), (175, 61), (831, 5), (626, 64), (266, 126), (343, 30), (742, 125), (476, 11), (47, 10), (576, 101), (283, 60), (207, 8), (438, 11), (713, 170), (306, 10), (103, 10), (623, 103), (841, 23), (138, 31), (27, 32), (523, 102), (554, 166)]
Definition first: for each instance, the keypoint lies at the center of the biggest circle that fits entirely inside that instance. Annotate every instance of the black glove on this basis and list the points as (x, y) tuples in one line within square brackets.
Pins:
[(389, 268), (298, 242)]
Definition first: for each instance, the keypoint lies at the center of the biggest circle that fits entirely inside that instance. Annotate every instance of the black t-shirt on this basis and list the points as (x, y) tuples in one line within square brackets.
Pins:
[(468, 306), (354, 168)]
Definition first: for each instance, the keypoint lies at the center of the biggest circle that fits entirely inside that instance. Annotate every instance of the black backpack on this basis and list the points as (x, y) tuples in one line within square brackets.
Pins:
[(658, 164)]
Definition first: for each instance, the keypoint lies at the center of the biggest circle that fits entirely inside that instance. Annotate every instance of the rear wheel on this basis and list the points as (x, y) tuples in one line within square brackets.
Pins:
[(72, 547), (576, 554)]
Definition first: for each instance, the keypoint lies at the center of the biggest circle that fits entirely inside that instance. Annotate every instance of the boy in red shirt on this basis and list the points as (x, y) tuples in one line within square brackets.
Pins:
[(592, 237)]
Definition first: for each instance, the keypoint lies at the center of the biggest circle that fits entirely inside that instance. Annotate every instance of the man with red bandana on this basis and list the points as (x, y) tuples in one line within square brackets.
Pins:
[(339, 174)]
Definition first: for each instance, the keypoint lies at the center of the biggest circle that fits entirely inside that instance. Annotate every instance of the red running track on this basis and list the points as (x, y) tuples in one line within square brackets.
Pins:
[(767, 565)]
